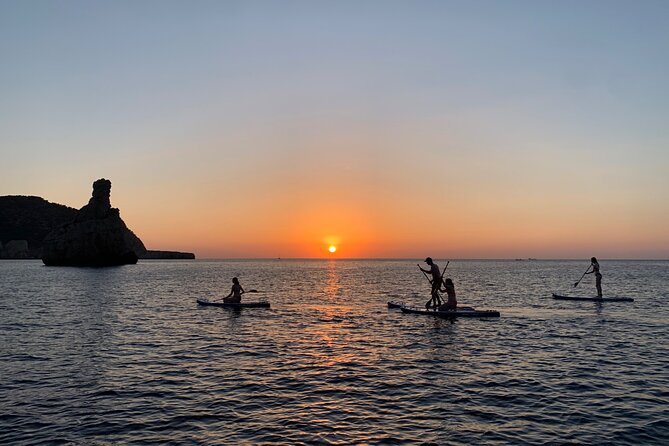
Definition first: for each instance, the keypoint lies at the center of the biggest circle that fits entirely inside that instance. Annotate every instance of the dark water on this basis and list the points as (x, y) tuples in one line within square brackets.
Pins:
[(124, 355)]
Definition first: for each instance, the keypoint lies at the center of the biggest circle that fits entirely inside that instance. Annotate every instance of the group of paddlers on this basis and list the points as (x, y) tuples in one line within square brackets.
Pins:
[(441, 285)]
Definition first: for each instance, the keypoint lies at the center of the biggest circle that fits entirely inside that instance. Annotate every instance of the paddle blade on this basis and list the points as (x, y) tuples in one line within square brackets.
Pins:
[(576, 284)]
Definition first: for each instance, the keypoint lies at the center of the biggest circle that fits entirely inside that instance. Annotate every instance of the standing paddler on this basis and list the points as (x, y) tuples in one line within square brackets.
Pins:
[(594, 264), (436, 282)]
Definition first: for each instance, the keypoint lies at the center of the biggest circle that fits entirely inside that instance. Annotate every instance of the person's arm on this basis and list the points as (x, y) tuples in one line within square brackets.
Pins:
[(241, 290), (231, 290), (590, 272)]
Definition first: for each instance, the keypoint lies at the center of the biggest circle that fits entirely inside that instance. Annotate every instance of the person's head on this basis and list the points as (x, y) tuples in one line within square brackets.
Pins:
[(235, 281), (594, 260), (448, 282), (428, 260)]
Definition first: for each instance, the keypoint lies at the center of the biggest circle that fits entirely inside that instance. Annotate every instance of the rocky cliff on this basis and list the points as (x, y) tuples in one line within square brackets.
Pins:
[(97, 236), (25, 221)]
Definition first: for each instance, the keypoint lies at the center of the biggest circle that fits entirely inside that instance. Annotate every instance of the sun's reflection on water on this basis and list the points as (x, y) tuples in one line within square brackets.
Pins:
[(332, 289)]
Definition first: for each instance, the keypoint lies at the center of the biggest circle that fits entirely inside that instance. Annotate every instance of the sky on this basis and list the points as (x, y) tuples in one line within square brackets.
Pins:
[(390, 129)]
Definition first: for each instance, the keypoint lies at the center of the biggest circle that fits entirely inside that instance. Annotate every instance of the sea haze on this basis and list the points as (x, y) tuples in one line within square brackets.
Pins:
[(125, 355)]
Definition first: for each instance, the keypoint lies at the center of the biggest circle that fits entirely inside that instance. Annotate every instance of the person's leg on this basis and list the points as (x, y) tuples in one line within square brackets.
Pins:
[(435, 296), (598, 283), (430, 302)]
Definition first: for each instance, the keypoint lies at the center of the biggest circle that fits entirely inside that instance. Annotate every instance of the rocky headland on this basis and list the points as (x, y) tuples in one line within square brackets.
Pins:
[(95, 235)]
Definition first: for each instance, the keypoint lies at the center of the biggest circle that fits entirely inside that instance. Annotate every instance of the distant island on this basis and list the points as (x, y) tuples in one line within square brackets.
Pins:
[(152, 254), (33, 228)]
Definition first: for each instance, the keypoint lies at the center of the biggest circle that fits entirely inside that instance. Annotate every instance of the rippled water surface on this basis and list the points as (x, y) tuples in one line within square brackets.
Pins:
[(124, 355)]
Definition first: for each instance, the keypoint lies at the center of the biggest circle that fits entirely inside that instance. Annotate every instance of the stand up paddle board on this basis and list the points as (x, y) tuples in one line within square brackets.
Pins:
[(593, 299)]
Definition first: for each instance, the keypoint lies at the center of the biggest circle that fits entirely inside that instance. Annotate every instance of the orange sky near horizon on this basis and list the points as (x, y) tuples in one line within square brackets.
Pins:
[(467, 225), (375, 198)]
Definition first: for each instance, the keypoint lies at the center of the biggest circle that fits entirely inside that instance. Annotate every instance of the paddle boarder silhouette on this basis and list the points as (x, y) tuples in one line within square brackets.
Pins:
[(436, 283), (451, 303), (236, 292), (598, 276)]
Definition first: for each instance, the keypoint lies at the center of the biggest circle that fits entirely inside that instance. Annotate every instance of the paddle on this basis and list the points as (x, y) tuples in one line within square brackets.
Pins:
[(579, 280), (444, 271), (428, 279), (441, 280), (421, 270)]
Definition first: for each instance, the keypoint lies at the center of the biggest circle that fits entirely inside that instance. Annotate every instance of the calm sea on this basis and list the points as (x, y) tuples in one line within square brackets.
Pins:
[(124, 355)]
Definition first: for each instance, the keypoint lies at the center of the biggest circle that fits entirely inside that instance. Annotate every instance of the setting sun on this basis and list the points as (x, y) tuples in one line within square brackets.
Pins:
[(332, 248)]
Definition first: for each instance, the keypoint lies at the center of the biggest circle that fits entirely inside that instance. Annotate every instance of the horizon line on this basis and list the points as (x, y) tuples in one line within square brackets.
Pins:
[(518, 259)]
